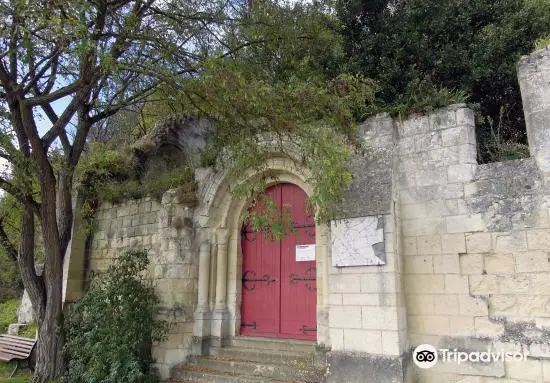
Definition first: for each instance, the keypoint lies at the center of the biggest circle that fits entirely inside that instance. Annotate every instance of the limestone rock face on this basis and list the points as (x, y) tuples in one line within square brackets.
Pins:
[(15, 328), (25, 312)]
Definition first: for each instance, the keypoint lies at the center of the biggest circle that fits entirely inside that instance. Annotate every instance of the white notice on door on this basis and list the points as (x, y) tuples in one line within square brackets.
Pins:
[(305, 253)]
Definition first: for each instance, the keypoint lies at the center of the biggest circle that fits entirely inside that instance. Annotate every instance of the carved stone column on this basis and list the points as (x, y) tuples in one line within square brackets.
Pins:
[(203, 316), (220, 317)]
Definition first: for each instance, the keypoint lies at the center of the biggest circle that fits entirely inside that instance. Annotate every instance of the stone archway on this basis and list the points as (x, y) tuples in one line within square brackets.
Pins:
[(217, 318)]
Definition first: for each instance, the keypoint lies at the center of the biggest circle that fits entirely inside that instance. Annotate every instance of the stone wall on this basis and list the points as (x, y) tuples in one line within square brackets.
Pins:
[(464, 260), (476, 241), (367, 317), (165, 229)]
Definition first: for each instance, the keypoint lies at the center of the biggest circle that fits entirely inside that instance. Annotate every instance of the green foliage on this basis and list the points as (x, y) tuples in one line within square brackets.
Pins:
[(542, 42), (469, 46), (499, 149), (264, 217), (181, 178), (113, 175), (280, 90), (284, 95), (102, 163), (419, 97), (29, 331), (110, 330), (10, 281), (109, 174), (8, 314)]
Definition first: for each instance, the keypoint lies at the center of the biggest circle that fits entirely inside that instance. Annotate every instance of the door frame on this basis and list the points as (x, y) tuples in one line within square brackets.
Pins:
[(219, 222), (282, 264)]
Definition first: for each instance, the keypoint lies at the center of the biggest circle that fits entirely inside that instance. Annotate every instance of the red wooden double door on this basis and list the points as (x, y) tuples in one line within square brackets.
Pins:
[(278, 276)]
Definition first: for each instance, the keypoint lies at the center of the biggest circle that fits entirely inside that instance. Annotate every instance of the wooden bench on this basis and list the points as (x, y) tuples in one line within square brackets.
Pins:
[(16, 348)]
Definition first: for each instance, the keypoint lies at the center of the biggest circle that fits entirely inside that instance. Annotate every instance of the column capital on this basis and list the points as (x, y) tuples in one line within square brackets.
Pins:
[(222, 235), (205, 246)]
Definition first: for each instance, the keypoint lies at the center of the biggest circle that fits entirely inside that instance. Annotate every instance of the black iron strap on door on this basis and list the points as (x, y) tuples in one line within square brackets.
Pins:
[(305, 329), (251, 325), (249, 276), (309, 233), (294, 278)]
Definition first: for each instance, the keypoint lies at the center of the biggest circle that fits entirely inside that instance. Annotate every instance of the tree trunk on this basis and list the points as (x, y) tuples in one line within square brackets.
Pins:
[(49, 349), (49, 356)]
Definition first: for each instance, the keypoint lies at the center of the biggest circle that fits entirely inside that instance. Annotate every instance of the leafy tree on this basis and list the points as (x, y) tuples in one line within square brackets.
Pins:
[(414, 46), (67, 66)]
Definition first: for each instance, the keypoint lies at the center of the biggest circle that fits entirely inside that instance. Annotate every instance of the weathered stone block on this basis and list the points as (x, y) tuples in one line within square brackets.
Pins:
[(461, 173), (446, 264), (434, 176), (414, 125), (538, 239), (360, 367), (525, 371), (434, 325), (380, 318), (390, 343), (446, 305), (532, 261), (472, 306), (420, 304), (416, 227), (456, 284), (456, 136), (428, 141), (345, 317), (429, 244), (419, 264), (337, 338), (540, 284), (379, 283), (409, 246), (360, 299), (513, 241), (483, 284), (464, 223), (499, 264), (453, 243), (478, 242), (471, 264), (513, 284), (424, 284), (363, 341), (484, 327), (465, 117), (461, 325), (344, 283)]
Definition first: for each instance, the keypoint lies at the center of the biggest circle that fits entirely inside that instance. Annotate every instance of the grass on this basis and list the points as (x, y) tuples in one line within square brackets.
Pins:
[(23, 375), (8, 314)]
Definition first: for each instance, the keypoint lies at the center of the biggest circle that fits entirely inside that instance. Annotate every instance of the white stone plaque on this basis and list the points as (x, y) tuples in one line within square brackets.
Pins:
[(358, 242), (305, 253)]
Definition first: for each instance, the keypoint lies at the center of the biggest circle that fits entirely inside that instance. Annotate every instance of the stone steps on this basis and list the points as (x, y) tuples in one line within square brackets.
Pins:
[(273, 344), (249, 360)]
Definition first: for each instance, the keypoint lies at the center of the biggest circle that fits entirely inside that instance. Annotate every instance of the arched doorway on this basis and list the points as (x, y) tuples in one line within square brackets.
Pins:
[(279, 283)]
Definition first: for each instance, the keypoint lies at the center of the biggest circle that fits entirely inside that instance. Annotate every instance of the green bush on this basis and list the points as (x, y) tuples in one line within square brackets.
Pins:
[(468, 46), (542, 43), (109, 332)]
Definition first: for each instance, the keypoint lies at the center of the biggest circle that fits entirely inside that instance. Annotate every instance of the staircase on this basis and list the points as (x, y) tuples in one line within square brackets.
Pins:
[(249, 360)]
